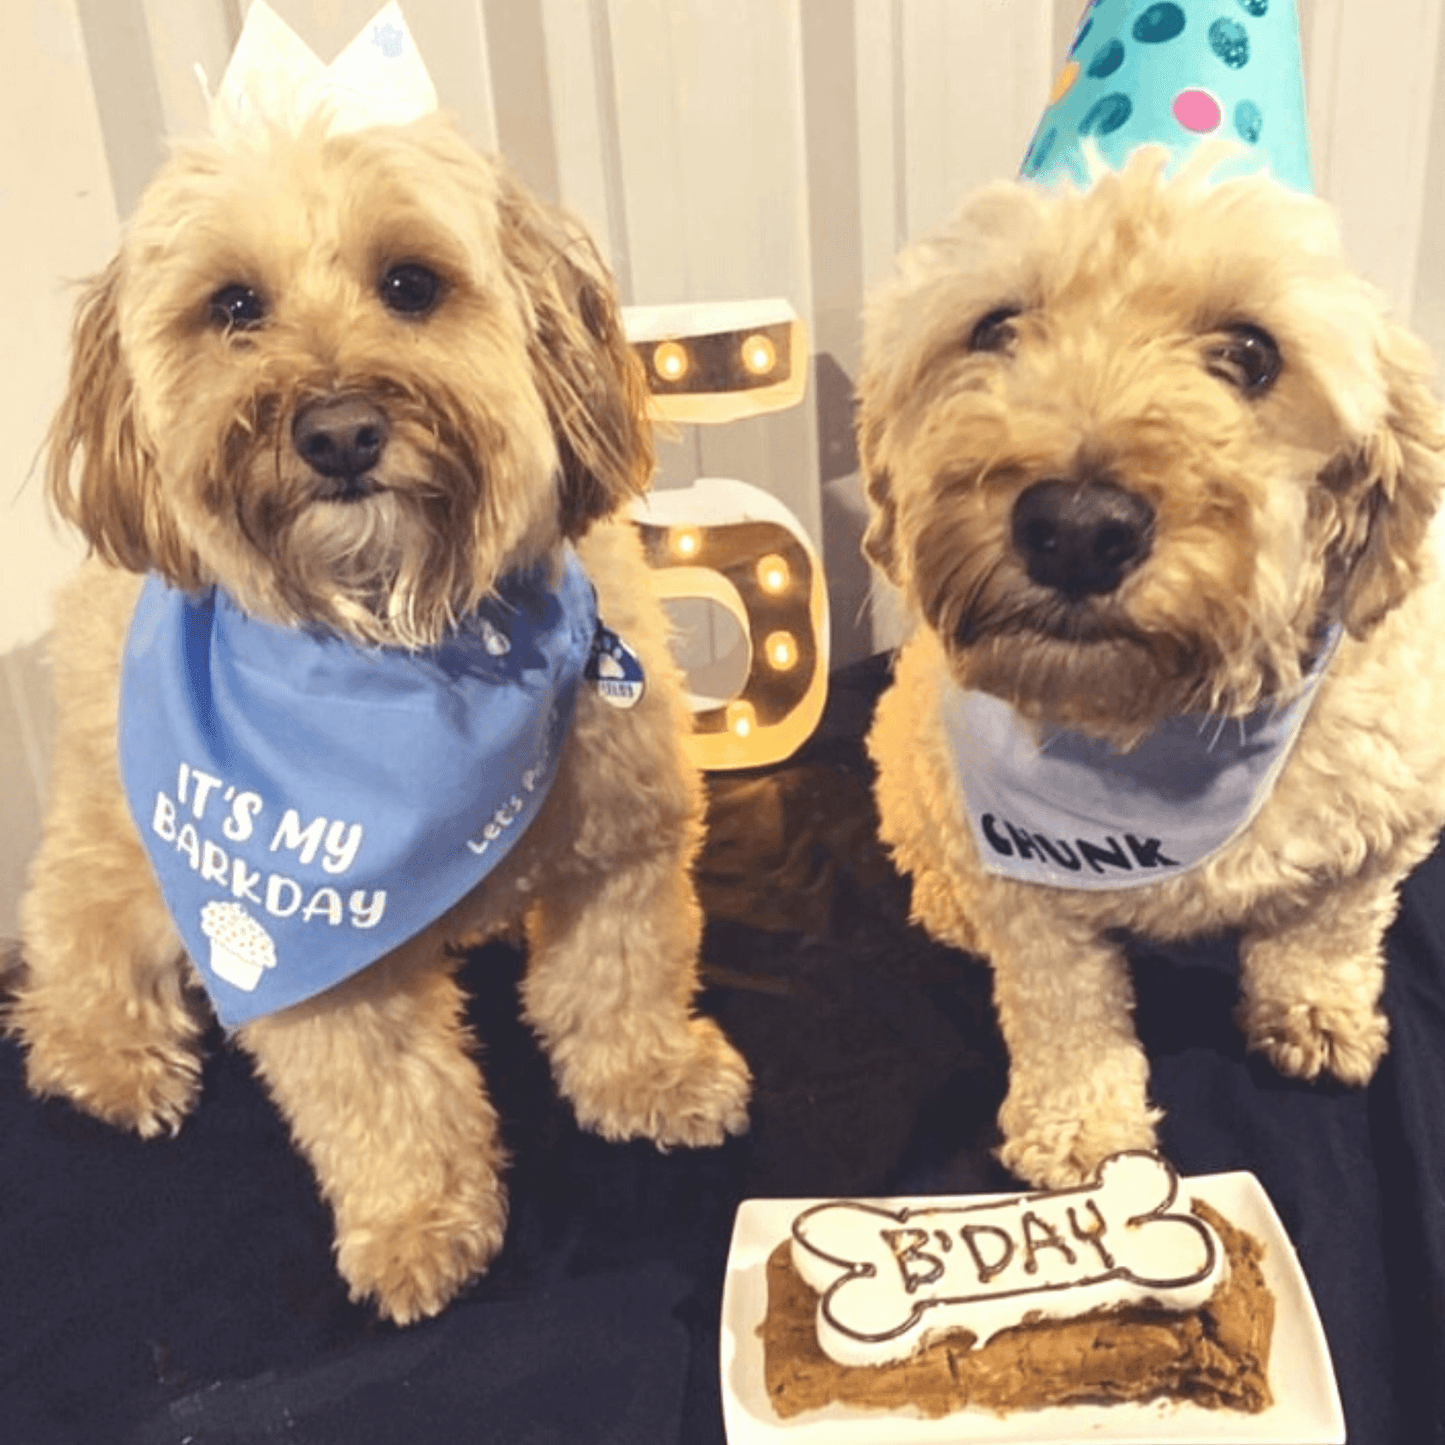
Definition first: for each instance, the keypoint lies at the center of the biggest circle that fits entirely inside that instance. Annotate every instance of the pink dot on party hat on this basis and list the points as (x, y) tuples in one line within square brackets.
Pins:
[(1197, 111)]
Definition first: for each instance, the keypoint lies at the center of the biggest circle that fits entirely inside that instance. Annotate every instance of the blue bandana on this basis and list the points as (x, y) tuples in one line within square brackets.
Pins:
[(1070, 811), (310, 804)]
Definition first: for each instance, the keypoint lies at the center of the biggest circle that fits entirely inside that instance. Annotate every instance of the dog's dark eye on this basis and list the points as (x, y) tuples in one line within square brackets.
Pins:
[(995, 332), (236, 308), (1247, 358), (410, 289)]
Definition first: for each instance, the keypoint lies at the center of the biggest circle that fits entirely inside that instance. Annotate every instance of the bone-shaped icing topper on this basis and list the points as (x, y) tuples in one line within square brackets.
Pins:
[(274, 78), (887, 1276)]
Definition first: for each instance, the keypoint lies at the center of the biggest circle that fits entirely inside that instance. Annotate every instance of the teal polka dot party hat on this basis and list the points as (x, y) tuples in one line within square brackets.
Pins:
[(1177, 73)]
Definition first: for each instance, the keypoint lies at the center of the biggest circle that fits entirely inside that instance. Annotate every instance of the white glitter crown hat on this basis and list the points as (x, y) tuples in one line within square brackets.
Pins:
[(275, 78), (1177, 73)]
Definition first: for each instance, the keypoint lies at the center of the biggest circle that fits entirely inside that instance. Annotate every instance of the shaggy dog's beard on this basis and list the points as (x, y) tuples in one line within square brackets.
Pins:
[(395, 557), (1089, 662)]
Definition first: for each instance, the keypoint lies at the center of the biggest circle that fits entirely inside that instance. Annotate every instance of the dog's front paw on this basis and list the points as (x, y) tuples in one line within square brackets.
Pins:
[(689, 1088), (147, 1088), (1055, 1148), (1305, 1040), (410, 1265)]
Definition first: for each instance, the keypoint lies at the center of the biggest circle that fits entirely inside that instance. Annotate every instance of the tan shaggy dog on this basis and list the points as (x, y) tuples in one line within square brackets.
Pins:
[(396, 274), (1135, 453)]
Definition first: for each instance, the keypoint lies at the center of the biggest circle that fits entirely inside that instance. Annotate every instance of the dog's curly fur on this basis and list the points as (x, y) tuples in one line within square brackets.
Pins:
[(516, 423), (1277, 512)]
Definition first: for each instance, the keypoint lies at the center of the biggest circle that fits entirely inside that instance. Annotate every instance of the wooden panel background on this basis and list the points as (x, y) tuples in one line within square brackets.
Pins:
[(718, 149)]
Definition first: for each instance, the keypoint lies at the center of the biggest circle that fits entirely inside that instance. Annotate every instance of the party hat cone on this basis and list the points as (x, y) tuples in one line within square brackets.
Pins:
[(1177, 73)]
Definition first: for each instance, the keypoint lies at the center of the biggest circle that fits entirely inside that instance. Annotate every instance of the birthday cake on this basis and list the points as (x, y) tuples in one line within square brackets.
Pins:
[(1115, 1291)]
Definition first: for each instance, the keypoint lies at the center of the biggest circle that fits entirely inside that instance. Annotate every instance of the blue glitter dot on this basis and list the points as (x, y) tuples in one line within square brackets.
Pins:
[(1254, 7), (1158, 24), (1084, 29), (1108, 59), (1107, 115), (1229, 42), (1248, 121), (1039, 151)]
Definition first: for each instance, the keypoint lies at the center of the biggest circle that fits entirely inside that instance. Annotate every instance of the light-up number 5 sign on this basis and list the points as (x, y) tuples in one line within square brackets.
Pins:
[(727, 543)]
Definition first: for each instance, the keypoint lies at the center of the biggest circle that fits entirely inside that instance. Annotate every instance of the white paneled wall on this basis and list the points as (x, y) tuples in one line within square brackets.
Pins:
[(1373, 71), (718, 149), (57, 221)]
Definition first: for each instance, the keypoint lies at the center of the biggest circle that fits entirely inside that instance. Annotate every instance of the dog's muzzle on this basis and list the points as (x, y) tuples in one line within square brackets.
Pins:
[(341, 438), (1081, 539)]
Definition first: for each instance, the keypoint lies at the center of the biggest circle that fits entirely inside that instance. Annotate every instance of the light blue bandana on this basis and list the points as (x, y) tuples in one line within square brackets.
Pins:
[(309, 804), (1071, 812)]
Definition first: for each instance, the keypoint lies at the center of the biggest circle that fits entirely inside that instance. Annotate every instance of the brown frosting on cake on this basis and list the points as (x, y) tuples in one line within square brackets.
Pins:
[(1215, 1356)]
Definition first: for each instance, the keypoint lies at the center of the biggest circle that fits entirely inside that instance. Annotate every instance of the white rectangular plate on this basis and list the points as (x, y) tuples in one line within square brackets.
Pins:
[(1306, 1409)]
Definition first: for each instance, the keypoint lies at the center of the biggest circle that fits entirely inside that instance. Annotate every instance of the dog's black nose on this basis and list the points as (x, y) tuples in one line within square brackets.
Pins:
[(341, 437), (1081, 538)]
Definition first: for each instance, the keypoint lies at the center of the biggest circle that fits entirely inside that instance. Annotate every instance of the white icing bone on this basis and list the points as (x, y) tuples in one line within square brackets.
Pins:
[(887, 1277)]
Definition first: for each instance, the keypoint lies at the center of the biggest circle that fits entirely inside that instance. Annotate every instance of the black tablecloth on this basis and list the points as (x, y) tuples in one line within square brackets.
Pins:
[(182, 1290)]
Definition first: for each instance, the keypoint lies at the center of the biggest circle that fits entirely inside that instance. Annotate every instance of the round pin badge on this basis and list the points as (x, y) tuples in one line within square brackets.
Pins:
[(615, 670)]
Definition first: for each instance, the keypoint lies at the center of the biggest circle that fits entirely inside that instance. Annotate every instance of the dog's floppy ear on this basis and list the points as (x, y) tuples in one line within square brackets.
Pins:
[(880, 535), (1387, 490), (591, 382), (880, 538), (101, 477)]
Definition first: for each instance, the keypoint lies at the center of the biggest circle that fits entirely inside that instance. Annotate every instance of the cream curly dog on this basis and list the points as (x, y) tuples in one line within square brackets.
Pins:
[(353, 382), (1148, 462)]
